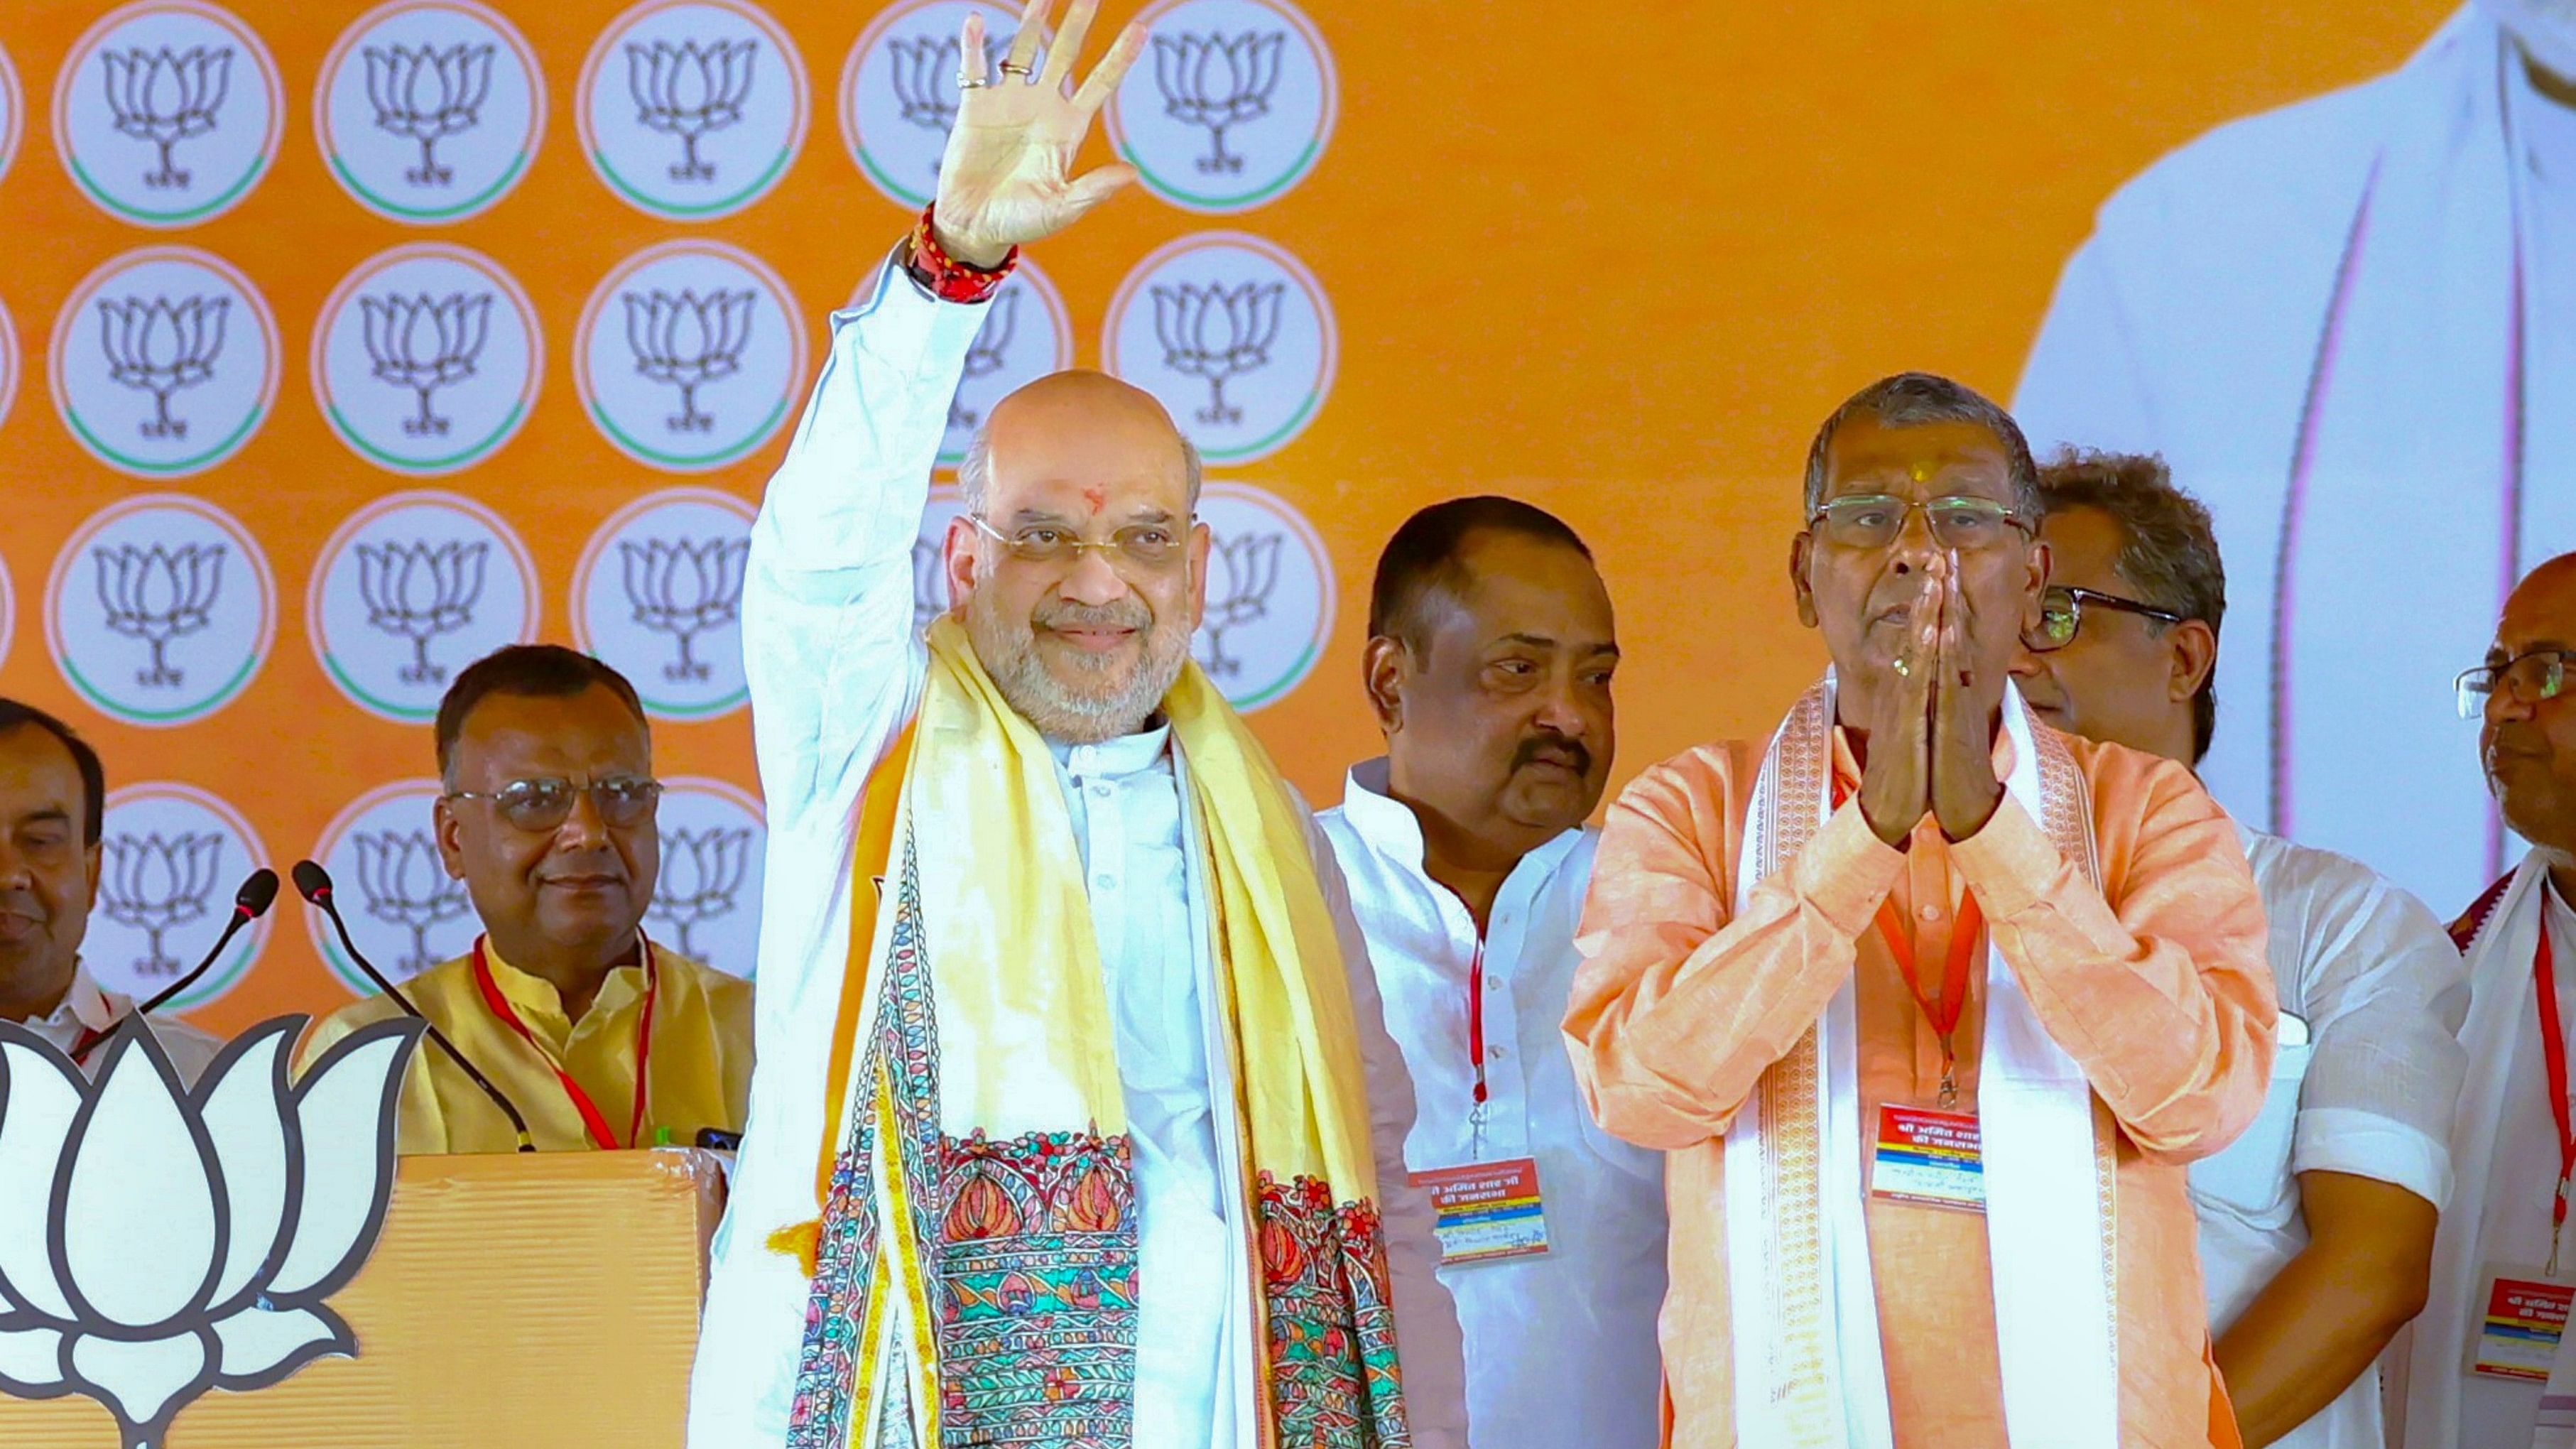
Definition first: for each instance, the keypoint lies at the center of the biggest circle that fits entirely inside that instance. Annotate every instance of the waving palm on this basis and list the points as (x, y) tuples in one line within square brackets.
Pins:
[(1007, 176)]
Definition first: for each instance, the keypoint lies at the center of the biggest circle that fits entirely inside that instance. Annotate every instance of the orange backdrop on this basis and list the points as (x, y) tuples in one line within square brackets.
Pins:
[(1614, 259)]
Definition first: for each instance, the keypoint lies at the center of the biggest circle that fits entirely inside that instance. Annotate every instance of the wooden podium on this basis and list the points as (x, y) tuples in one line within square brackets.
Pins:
[(513, 1299)]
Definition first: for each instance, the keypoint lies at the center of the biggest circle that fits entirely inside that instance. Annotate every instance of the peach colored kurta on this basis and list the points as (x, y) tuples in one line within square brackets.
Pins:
[(2156, 985)]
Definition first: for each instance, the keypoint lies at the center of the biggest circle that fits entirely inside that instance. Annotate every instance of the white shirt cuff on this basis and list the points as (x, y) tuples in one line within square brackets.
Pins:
[(2365, 1144)]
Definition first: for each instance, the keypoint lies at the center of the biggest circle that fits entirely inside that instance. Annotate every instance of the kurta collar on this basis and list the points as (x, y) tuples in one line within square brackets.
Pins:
[(1390, 826), (1126, 755)]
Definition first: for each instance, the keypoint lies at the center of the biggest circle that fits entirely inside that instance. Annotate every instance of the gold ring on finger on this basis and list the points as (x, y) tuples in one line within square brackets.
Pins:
[(1903, 670), (1014, 68)]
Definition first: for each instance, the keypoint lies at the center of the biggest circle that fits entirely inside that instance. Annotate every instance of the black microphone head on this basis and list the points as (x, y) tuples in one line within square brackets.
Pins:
[(311, 881), (256, 894)]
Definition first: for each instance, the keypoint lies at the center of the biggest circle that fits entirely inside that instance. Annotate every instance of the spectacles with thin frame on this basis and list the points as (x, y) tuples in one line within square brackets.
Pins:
[(1876, 520), (544, 804), (2534, 675), (2061, 615), (1153, 546)]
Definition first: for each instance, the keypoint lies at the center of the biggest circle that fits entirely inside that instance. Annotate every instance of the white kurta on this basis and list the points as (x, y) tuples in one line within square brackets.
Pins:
[(2371, 1092), (836, 669), (2347, 325), (86, 1006), (1561, 1349), (2514, 1228)]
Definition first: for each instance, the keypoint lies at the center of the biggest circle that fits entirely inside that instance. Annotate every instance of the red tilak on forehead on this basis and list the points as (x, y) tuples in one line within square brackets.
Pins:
[(1098, 498)]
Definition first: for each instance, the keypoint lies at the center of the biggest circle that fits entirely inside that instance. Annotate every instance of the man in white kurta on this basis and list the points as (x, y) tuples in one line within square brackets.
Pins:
[(53, 804), (1488, 667), (836, 670), (2317, 1225), (2351, 323), (2480, 1359)]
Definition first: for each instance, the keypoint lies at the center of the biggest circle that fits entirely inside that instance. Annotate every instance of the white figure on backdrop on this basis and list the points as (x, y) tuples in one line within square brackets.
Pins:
[(2352, 323)]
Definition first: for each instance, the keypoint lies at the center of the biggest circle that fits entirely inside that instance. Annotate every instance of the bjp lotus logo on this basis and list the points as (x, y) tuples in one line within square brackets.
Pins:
[(159, 1240), (692, 109), (1235, 108), (658, 594), (1235, 337), (167, 112), (428, 111), (1269, 594), (690, 355), (407, 591)]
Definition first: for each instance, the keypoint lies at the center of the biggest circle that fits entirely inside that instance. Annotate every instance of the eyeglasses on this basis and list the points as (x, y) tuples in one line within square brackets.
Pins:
[(2061, 615), (2534, 675), (1874, 520), (545, 804), (1147, 545)]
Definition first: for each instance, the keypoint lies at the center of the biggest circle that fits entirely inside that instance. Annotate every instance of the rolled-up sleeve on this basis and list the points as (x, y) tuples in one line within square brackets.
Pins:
[(2156, 982), (2383, 992)]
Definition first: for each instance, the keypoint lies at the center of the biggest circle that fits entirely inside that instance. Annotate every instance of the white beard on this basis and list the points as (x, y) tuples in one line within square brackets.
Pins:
[(2546, 30)]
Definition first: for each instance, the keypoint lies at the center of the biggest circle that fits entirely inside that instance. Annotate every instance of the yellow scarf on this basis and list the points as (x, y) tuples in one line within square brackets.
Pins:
[(975, 1269)]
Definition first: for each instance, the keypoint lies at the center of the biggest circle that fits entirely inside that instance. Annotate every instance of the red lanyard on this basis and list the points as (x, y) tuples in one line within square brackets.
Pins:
[(2553, 1057), (1476, 1020), (1942, 1011), (591, 1117)]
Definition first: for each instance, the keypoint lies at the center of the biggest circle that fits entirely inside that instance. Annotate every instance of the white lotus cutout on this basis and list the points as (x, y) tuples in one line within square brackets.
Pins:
[(156, 1242)]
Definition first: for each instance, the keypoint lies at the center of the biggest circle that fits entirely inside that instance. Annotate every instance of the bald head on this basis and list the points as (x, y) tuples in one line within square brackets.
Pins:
[(1081, 421), (1078, 567), (2526, 742)]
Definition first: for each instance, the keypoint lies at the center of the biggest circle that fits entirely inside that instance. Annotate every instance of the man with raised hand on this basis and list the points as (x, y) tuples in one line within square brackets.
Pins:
[(2316, 1226), (1927, 1004), (1075, 1120)]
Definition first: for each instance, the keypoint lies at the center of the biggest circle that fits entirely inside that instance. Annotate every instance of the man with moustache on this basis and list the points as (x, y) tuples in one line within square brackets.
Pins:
[(2316, 1226), (601, 1037), (2490, 1335), (1065, 1026), (1927, 1004), (1488, 666), (53, 809)]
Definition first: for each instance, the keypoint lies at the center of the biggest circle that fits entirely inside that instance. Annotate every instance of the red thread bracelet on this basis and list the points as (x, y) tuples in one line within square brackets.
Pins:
[(947, 278)]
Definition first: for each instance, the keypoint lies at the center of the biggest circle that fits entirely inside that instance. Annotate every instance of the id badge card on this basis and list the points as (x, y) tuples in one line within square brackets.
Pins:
[(2522, 1315), (1929, 1157), (1486, 1212)]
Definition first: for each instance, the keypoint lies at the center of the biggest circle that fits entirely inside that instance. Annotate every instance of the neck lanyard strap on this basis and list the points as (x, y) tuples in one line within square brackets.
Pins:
[(2553, 1057), (1942, 1011), (1476, 1020), (592, 1120)]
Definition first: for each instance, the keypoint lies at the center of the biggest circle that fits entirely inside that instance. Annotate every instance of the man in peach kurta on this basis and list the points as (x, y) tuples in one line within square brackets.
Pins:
[(2123, 931)]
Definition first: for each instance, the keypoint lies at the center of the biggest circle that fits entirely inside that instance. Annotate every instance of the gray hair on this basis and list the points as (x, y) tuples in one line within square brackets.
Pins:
[(2168, 550), (1914, 399), (975, 470)]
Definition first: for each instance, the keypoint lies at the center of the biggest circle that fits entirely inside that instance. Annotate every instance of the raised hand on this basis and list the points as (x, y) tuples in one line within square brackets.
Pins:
[(1965, 700), (1896, 780), (1004, 180)]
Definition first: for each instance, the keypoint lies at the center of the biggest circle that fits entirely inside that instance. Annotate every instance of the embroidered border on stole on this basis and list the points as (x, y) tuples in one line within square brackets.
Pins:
[(1791, 1093), (1021, 1288), (2068, 818), (1330, 1355), (1037, 1291)]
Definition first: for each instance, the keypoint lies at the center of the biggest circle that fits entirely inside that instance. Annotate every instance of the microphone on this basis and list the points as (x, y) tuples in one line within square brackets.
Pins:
[(249, 904), (314, 884)]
